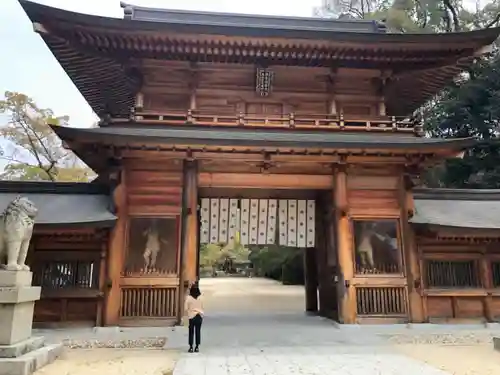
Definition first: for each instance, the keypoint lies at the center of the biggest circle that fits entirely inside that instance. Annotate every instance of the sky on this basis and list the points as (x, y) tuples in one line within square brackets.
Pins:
[(27, 65)]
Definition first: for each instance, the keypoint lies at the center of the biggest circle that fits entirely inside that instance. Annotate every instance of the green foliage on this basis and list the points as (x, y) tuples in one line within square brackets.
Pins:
[(33, 151), (213, 254), (470, 107), (279, 262), (412, 16)]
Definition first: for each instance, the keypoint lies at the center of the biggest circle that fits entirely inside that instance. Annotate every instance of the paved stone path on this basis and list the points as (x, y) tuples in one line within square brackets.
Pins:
[(257, 327)]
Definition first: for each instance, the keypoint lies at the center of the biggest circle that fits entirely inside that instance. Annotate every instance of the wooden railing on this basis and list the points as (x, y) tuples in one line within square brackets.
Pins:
[(303, 121)]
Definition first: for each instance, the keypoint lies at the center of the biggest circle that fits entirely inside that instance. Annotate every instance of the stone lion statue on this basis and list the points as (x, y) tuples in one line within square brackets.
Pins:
[(16, 228)]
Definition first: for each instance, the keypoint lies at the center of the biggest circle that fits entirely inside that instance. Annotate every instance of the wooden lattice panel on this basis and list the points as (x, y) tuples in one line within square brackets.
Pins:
[(258, 221), (381, 301), (139, 302)]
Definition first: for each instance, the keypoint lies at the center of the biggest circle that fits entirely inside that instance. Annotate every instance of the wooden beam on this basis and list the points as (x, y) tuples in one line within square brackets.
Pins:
[(265, 181)]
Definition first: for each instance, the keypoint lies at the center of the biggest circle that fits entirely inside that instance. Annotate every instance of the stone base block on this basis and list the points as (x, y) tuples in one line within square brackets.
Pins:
[(15, 278), (16, 321), (20, 348), (496, 343), (28, 363)]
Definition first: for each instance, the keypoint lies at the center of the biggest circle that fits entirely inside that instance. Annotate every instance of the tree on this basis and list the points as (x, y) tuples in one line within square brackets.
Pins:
[(279, 263), (32, 150), (209, 255), (469, 108), (416, 16)]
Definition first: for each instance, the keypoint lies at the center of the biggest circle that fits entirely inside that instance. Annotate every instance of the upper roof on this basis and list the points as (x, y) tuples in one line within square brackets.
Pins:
[(100, 54), (273, 25), (457, 208), (62, 204)]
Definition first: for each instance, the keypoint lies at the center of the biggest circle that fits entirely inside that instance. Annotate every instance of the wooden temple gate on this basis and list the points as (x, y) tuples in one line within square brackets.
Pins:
[(187, 114)]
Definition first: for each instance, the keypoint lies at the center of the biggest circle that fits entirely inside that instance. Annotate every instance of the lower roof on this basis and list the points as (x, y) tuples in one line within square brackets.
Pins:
[(457, 208), (208, 136), (88, 204), (62, 204)]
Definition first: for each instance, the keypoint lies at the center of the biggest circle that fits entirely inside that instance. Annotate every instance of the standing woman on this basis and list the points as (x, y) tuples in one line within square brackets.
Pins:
[(194, 311)]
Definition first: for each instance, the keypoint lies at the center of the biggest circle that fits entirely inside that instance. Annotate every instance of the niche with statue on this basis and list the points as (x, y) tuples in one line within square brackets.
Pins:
[(377, 246), (152, 247)]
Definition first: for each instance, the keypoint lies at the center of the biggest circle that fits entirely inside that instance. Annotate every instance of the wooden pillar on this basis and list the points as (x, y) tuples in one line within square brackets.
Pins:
[(381, 107), (192, 100), (116, 252), (189, 233), (486, 280), (333, 106), (191, 245), (311, 280), (321, 260), (347, 296), (410, 251), (102, 282)]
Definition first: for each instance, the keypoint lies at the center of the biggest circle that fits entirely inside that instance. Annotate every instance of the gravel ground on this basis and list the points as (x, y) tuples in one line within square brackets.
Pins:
[(479, 359), (146, 343), (456, 338), (112, 362)]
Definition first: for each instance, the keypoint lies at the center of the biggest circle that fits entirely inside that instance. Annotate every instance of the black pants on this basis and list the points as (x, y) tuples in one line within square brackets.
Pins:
[(195, 328)]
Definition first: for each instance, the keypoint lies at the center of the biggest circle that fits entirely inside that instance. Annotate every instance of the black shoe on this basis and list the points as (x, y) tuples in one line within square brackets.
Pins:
[(190, 350), (196, 350)]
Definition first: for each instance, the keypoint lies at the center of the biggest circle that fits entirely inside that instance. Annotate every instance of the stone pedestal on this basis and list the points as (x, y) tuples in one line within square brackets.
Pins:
[(20, 354), (496, 343)]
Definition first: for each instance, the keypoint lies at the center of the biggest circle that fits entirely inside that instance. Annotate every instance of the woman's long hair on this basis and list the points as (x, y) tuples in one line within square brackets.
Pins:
[(194, 291)]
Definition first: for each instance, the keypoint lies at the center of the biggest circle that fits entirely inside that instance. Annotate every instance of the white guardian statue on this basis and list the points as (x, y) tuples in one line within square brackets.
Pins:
[(16, 229)]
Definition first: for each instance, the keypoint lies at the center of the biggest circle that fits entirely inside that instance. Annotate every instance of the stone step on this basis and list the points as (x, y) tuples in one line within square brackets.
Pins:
[(28, 363), (20, 348)]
